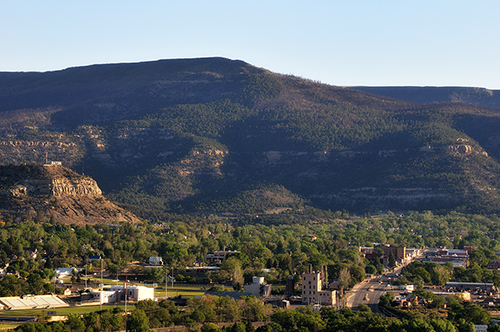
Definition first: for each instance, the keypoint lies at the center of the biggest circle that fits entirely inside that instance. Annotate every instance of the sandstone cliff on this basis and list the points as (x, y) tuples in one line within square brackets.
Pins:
[(55, 193)]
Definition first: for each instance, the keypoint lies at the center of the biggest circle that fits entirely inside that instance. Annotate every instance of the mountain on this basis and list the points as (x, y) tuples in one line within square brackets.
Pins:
[(427, 94), (214, 135), (53, 192)]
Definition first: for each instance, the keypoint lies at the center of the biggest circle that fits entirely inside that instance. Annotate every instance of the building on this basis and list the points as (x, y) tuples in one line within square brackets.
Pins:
[(94, 258), (494, 264), (155, 261), (32, 302), (470, 286), (398, 252), (219, 256), (412, 253), (65, 272), (366, 250), (201, 272), (454, 256), (401, 254), (117, 294), (312, 290), (258, 287)]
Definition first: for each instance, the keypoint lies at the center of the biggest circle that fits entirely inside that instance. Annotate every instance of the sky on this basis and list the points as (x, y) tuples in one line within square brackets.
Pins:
[(344, 43)]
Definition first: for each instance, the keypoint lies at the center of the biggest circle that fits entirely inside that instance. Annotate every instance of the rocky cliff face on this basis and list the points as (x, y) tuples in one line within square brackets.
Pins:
[(55, 193)]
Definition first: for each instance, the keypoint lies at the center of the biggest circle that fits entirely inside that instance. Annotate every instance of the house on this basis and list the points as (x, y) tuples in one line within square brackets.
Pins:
[(312, 290), (258, 287), (155, 261), (94, 258)]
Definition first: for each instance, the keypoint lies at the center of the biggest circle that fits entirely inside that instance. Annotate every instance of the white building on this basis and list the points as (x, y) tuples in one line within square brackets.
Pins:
[(155, 261), (258, 287), (312, 290), (117, 294), (65, 272)]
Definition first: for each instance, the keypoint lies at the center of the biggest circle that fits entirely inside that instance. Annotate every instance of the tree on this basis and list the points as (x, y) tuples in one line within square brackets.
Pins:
[(344, 280), (386, 299), (370, 269), (155, 274), (74, 323), (417, 325), (392, 260), (469, 314), (443, 325), (210, 327), (238, 278), (364, 307), (138, 321), (440, 275), (358, 273), (297, 320), (270, 327)]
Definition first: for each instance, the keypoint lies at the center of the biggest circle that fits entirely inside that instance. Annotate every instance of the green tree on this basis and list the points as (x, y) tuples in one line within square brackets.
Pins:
[(74, 323), (210, 327), (155, 274), (138, 321), (344, 280), (392, 261)]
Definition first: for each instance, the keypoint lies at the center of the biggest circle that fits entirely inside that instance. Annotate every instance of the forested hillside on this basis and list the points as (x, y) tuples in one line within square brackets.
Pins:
[(221, 136), (426, 94)]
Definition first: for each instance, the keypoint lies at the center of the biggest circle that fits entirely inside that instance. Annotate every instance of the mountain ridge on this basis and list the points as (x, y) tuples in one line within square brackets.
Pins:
[(221, 135), (429, 94)]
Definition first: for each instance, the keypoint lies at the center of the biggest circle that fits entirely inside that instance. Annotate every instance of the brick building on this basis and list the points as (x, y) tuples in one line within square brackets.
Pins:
[(312, 290)]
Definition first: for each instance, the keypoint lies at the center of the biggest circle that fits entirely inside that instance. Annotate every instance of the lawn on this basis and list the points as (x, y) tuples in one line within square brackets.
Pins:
[(8, 326), (63, 311)]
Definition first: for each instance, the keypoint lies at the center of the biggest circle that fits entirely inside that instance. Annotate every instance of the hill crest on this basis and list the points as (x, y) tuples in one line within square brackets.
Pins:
[(209, 134)]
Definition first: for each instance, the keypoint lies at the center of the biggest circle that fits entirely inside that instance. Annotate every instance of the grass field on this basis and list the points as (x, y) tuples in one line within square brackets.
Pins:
[(177, 290), (63, 311), (7, 326)]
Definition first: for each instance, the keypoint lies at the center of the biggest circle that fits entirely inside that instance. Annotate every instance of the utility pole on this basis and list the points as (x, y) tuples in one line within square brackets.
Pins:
[(126, 295), (100, 295), (166, 280)]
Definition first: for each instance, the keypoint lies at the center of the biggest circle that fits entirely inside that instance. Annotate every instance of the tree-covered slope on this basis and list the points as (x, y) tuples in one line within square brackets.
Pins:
[(428, 94), (217, 135)]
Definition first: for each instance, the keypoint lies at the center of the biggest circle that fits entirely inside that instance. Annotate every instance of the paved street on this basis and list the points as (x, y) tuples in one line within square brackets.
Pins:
[(369, 291)]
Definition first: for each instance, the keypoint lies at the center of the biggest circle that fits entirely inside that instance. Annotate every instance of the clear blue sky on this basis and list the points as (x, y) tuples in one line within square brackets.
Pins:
[(348, 42)]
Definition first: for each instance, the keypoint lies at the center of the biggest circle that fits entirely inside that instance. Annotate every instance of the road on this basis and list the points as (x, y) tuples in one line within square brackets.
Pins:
[(369, 291)]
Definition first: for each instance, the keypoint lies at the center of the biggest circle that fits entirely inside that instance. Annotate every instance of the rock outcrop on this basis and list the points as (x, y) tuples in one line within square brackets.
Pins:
[(55, 193)]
